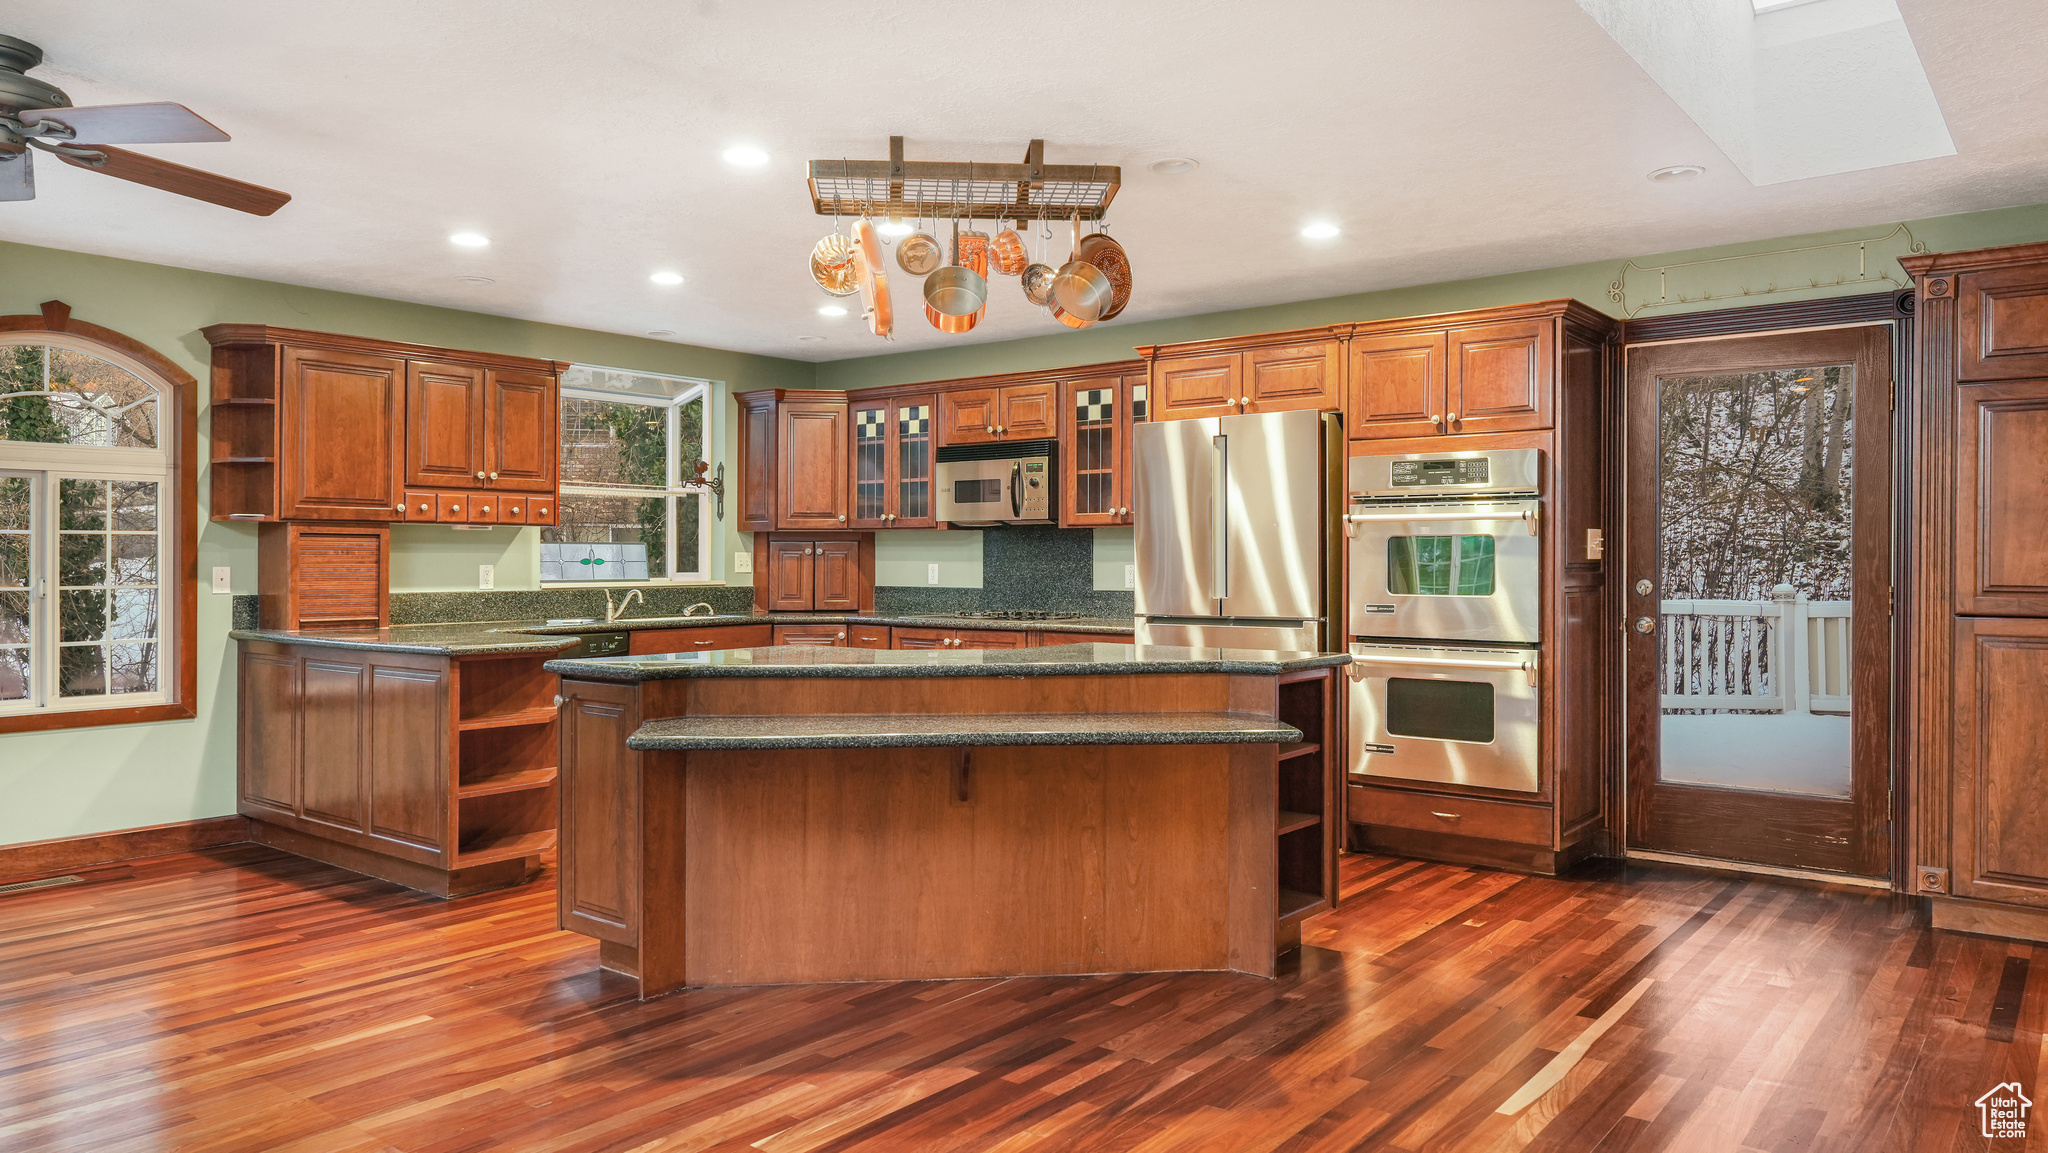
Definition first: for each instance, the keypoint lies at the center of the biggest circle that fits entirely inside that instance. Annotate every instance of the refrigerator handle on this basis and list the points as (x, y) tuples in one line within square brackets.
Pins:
[(1220, 500)]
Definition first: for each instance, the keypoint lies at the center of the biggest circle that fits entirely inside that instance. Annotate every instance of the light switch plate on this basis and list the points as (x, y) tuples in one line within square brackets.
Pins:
[(743, 562), (486, 576), (1130, 576), (931, 574), (220, 579)]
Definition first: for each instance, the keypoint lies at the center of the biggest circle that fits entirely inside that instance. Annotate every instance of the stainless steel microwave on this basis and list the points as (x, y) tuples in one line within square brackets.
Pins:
[(1009, 482)]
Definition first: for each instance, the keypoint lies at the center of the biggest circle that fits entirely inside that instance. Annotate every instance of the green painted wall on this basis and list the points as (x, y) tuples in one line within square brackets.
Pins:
[(83, 781), (1586, 282)]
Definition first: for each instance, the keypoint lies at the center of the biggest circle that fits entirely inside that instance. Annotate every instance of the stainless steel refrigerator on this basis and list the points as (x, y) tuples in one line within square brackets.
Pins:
[(1237, 530)]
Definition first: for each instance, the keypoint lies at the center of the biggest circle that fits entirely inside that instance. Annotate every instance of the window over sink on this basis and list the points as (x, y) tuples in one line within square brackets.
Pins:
[(633, 506)]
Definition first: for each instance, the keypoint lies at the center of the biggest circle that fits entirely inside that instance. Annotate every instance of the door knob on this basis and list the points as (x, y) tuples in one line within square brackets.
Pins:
[(1643, 587), (1645, 625)]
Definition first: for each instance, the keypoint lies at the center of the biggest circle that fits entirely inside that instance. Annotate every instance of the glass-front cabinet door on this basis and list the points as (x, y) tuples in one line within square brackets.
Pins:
[(892, 463), (1096, 413)]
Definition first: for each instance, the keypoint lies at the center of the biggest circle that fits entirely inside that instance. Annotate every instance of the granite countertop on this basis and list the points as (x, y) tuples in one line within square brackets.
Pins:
[(545, 637), (1096, 659), (973, 730)]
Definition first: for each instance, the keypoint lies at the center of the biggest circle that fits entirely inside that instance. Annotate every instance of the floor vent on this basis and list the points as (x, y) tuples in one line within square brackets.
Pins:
[(46, 882)]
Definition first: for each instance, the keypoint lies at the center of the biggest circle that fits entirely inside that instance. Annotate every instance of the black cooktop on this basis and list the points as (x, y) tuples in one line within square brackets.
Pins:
[(1019, 615)]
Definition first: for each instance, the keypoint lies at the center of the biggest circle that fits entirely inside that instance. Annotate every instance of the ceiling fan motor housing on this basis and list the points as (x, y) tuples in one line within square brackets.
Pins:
[(19, 93)]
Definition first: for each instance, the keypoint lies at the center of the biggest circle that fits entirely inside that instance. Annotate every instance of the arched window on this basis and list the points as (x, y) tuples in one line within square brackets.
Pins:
[(97, 521)]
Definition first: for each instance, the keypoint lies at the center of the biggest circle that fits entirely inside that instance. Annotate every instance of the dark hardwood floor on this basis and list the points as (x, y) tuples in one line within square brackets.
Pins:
[(238, 999)]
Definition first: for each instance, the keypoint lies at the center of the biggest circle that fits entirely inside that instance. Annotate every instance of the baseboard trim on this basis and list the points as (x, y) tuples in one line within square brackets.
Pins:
[(1959, 915), (61, 854), (1745, 868)]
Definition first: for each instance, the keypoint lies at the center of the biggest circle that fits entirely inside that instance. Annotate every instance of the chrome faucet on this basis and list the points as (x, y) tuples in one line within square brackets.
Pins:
[(705, 605), (612, 614)]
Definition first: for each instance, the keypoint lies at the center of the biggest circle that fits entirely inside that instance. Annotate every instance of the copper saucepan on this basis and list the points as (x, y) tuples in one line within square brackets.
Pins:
[(1106, 254), (920, 254), (1080, 292), (956, 296)]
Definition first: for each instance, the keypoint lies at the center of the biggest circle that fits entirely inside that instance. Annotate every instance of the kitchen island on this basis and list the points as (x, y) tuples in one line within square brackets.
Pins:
[(784, 814)]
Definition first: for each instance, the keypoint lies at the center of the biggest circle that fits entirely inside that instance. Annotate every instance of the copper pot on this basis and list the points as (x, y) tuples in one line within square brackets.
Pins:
[(961, 282), (1108, 256), (1080, 292), (920, 253), (1007, 253), (874, 285)]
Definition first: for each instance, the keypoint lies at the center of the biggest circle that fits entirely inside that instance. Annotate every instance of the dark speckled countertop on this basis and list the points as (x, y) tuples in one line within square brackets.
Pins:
[(959, 731), (468, 639), (1095, 659)]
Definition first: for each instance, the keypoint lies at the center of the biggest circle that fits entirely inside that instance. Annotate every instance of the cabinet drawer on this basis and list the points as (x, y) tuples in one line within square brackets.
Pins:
[(454, 508), (645, 641), (867, 637), (818, 636), (989, 639), (540, 510), (1458, 816), (486, 508), (512, 510), (422, 506), (1045, 638), (904, 638)]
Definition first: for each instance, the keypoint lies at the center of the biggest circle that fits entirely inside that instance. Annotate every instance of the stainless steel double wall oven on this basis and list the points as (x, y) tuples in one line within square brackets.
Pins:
[(1446, 616)]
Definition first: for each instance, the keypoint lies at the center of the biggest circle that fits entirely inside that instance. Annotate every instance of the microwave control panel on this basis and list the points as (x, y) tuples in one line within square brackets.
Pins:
[(1036, 487), (1454, 470)]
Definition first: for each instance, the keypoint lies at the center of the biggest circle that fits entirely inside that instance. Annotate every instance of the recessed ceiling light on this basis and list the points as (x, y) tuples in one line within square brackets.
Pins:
[(470, 239), (670, 278), (831, 310), (745, 157), (662, 332), (1320, 230), (894, 228), (474, 280), (1175, 165), (1677, 172), (808, 339)]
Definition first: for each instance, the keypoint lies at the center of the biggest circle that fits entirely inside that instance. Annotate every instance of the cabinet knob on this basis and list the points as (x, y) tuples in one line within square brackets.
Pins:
[(1244, 400), (841, 637), (842, 518), (1001, 429), (479, 474), (484, 508), (1450, 418), (401, 508), (807, 552), (494, 476), (454, 508), (1436, 418), (424, 508)]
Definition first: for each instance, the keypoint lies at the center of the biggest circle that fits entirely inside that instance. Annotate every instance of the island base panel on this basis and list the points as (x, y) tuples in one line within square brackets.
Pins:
[(867, 865), (430, 879)]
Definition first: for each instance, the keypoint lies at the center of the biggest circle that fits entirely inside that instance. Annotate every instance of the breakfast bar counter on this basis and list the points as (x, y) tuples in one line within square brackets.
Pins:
[(775, 815)]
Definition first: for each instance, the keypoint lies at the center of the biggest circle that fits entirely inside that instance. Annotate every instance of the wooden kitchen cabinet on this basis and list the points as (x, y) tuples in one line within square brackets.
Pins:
[(893, 443), (866, 636), (999, 412), (2002, 323), (1397, 385), (794, 451), (2001, 530), (311, 426), (1494, 370), (1274, 372), (434, 772), (1097, 415), (926, 638), (1999, 811), (642, 642), (323, 576), (832, 636), (817, 574), (1501, 377)]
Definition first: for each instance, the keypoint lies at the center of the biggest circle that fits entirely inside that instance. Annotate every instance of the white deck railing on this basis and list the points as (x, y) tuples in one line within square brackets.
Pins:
[(1783, 655)]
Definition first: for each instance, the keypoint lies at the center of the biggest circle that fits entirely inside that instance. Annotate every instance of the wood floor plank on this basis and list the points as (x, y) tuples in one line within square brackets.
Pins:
[(239, 1000)]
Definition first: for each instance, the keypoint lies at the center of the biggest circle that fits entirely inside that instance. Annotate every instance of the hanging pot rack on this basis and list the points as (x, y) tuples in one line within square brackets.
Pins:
[(897, 188)]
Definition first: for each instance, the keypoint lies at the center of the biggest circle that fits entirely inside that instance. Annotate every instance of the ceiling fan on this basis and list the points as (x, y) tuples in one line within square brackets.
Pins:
[(35, 115)]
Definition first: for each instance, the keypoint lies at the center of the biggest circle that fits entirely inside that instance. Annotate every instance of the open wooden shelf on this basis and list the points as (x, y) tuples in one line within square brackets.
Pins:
[(1291, 822), (1294, 902), (504, 720), (243, 460), (1299, 749), (242, 400), (484, 850), (509, 782)]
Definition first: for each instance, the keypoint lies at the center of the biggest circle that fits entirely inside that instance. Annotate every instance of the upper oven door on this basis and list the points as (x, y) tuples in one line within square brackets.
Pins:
[(1449, 571), (1449, 716)]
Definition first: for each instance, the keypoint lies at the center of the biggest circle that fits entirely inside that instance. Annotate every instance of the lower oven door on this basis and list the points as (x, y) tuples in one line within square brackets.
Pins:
[(1447, 571), (1446, 715)]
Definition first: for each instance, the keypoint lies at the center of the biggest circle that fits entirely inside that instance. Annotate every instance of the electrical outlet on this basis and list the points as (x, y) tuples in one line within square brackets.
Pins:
[(743, 562), (1130, 576), (931, 574), (486, 576), (220, 579)]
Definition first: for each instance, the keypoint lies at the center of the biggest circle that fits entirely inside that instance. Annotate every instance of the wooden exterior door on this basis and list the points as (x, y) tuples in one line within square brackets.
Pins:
[(1196, 386), (444, 417), (342, 412), (835, 576), (1501, 377), (521, 431), (811, 459), (1095, 419), (1294, 376), (1397, 385), (1998, 810), (2001, 528), (789, 576), (1758, 610)]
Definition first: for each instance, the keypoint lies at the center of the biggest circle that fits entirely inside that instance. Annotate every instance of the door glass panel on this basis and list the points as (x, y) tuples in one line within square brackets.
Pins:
[(914, 462), (1094, 450), (15, 599), (1440, 710), (1754, 543), (1440, 566), (870, 462)]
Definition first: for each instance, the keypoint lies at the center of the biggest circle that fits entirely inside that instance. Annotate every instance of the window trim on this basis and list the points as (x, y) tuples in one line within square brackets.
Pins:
[(178, 572), (696, 388)]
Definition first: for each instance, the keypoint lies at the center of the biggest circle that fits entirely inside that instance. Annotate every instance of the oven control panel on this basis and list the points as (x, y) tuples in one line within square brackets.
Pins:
[(1440, 471), (1034, 488)]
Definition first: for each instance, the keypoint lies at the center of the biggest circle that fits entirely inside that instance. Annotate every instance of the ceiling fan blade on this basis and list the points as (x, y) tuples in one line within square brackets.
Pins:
[(17, 176), (160, 123), (124, 165)]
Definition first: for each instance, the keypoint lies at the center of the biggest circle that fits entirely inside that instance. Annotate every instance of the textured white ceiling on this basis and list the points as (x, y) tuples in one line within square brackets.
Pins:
[(1451, 138)]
